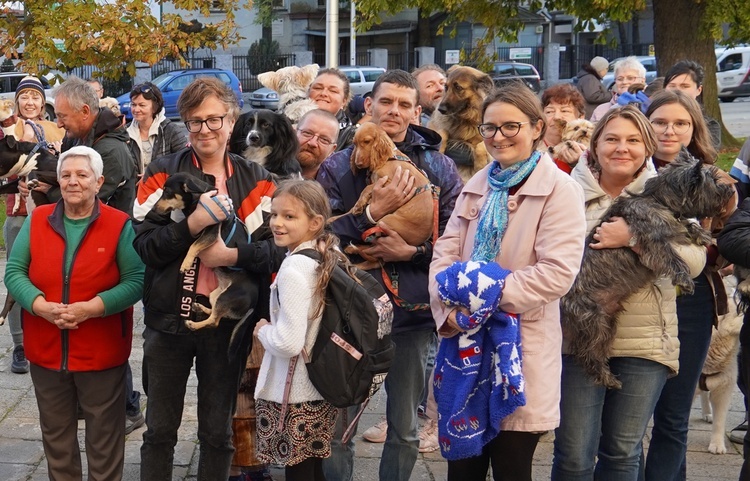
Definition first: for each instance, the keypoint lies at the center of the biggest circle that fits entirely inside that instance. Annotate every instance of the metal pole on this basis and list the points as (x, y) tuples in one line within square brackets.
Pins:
[(353, 37), (332, 33)]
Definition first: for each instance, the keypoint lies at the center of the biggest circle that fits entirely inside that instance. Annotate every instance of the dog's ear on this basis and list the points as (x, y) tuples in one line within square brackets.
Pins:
[(11, 141), (269, 80), (237, 139), (306, 75), (485, 85), (289, 146), (383, 147), (194, 186)]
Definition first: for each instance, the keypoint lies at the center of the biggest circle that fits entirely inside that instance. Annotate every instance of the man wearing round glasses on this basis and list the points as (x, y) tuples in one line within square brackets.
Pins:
[(628, 71), (243, 191), (317, 132)]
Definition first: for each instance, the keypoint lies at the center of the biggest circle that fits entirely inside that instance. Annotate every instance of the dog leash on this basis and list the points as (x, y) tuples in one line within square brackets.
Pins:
[(213, 216)]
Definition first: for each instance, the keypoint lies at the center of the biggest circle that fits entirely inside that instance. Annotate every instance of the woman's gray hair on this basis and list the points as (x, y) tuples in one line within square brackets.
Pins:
[(91, 155), (630, 63)]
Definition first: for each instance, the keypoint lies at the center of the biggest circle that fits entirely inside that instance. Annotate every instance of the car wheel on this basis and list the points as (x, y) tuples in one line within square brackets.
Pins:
[(49, 113), (727, 99)]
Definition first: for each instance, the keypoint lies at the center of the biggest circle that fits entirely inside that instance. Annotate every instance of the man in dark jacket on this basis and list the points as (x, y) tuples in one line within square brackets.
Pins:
[(590, 84), (77, 111), (734, 246), (393, 106)]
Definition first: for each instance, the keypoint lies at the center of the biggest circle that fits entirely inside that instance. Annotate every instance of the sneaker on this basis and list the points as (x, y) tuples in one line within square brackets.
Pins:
[(20, 364), (134, 422), (428, 437), (377, 433)]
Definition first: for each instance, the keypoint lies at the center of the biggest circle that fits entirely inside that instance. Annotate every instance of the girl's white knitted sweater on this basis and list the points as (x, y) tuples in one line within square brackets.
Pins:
[(292, 328)]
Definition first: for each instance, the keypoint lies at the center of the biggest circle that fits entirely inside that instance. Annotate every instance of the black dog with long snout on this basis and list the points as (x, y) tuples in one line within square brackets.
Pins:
[(26, 159), (237, 293)]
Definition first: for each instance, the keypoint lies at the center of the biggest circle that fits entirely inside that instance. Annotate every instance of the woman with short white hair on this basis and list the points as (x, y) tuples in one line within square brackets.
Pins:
[(628, 71)]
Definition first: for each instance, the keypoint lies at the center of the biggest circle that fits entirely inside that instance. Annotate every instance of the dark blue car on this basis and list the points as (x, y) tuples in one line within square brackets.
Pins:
[(172, 83)]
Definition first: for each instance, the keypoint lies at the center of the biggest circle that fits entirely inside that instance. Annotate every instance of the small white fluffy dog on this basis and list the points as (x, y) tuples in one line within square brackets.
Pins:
[(292, 84), (719, 374)]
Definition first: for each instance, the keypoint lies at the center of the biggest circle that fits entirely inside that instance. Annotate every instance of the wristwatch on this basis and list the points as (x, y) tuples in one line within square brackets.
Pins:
[(420, 255)]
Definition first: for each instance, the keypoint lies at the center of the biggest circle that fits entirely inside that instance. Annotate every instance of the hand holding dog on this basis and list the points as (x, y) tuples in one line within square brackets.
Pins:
[(389, 248), (571, 152), (387, 197), (218, 255), (612, 234), (219, 211)]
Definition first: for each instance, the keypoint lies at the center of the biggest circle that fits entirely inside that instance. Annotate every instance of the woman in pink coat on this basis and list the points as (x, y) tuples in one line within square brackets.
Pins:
[(523, 217)]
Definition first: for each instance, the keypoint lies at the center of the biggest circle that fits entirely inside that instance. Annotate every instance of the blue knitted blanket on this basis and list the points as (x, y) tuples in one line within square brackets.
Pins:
[(478, 379)]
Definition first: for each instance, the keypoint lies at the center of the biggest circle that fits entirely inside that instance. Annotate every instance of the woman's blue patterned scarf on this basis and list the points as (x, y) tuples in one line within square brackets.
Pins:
[(493, 220)]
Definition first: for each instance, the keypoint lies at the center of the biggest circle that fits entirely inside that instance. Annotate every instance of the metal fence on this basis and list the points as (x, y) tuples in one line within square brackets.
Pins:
[(247, 67), (403, 60), (165, 65)]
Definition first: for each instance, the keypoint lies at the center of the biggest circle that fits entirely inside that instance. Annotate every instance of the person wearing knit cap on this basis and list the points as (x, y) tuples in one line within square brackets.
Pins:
[(590, 84), (30, 108)]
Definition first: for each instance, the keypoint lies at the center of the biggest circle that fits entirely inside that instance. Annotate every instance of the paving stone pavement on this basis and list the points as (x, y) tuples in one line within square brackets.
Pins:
[(22, 456)]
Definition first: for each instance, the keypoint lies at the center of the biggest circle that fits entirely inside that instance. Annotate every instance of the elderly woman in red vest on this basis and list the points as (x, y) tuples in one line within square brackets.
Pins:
[(74, 271)]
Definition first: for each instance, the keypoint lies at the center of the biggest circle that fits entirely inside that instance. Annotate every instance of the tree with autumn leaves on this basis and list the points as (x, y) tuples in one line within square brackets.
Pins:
[(683, 29), (109, 34)]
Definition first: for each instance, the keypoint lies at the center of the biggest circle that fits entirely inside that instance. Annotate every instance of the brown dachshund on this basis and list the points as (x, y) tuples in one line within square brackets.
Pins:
[(376, 152)]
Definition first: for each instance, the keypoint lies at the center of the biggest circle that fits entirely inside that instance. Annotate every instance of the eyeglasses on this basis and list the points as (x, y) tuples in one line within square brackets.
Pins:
[(213, 123), (143, 89), (307, 136), (629, 79), (679, 127), (508, 129)]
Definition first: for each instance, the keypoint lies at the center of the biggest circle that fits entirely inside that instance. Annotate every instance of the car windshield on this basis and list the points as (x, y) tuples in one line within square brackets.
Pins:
[(503, 69), (161, 80)]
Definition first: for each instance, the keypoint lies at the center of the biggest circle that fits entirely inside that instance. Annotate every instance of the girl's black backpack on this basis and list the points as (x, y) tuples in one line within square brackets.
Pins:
[(353, 350)]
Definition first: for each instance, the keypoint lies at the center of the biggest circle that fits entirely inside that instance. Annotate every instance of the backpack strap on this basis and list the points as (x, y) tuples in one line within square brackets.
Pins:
[(287, 390)]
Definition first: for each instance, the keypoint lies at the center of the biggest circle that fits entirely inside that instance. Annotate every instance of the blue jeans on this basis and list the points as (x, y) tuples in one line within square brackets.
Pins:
[(404, 386), (668, 446), (167, 360), (608, 423)]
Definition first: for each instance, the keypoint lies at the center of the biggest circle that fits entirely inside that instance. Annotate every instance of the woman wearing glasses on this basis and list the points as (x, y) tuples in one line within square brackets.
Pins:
[(242, 190), (153, 133), (628, 71), (687, 76), (597, 422), (526, 215), (678, 122)]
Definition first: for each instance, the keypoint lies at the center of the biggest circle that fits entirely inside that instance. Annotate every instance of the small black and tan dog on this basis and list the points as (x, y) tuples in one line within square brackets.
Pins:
[(237, 293), (268, 139)]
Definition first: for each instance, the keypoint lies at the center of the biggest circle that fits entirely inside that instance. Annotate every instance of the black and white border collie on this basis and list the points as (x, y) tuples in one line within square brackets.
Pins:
[(267, 138)]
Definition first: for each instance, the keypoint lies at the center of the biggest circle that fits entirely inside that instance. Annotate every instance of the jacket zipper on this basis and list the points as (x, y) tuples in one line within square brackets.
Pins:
[(66, 293)]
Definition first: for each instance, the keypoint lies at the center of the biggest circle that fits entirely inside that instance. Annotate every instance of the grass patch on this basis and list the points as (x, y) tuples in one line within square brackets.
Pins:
[(726, 158)]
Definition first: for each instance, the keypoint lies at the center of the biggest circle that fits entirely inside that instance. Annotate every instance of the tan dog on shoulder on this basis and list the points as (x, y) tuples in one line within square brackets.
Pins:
[(375, 152), (457, 117)]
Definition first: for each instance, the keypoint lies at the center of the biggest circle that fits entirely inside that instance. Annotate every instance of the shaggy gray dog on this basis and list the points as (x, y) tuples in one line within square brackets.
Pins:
[(659, 217)]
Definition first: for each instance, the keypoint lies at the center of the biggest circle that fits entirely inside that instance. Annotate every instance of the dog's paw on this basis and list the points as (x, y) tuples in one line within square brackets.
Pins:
[(190, 325), (709, 418), (2, 321), (717, 447)]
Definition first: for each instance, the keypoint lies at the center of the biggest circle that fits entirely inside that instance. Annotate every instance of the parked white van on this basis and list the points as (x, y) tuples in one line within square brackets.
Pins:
[(733, 73)]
